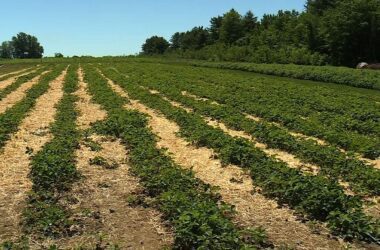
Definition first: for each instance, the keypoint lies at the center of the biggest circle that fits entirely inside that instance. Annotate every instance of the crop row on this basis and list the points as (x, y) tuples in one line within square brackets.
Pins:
[(16, 71), (292, 105), (315, 196), (11, 70), (339, 107), (20, 80), (199, 218), (339, 75), (10, 120), (363, 178), (53, 168)]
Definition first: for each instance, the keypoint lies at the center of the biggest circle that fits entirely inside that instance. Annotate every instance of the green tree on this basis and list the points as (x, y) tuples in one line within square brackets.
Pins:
[(26, 46), (176, 40), (215, 25), (232, 27), (351, 31), (58, 55), (155, 45), (197, 38), (249, 22), (6, 50), (319, 6)]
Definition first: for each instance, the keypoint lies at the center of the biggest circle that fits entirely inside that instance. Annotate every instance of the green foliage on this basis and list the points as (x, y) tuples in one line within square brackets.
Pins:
[(197, 38), (53, 169), (13, 116), (317, 197), (310, 108), (363, 178), (346, 76), (20, 80), (155, 45), (328, 31), (319, 6), (351, 30), (11, 69), (215, 24), (58, 55), (101, 161), (199, 218), (26, 46), (94, 146), (249, 22), (232, 27), (6, 50)]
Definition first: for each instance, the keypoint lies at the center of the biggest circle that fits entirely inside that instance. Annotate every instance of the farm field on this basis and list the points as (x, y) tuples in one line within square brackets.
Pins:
[(153, 154)]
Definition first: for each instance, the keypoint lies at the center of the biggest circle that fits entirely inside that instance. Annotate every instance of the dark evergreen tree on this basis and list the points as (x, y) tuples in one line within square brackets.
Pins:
[(215, 24), (232, 27), (249, 22)]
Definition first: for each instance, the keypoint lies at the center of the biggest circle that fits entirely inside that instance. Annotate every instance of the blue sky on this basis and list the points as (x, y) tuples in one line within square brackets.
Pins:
[(116, 27)]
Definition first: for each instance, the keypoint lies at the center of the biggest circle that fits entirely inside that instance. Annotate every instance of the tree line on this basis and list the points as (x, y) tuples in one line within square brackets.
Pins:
[(338, 32), (21, 46)]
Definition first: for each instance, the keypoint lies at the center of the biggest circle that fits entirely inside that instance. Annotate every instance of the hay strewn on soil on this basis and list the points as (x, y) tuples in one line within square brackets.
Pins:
[(89, 112), (102, 205)]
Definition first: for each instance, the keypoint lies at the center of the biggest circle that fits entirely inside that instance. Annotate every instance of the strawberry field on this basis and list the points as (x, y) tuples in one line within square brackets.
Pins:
[(153, 154)]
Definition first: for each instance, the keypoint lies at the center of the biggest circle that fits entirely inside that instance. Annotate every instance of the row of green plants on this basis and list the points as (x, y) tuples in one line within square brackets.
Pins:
[(336, 129), (11, 119), (341, 107), (339, 75), (348, 119), (316, 197), (10, 71), (20, 80), (337, 107), (362, 178), (199, 218), (53, 169), (345, 118)]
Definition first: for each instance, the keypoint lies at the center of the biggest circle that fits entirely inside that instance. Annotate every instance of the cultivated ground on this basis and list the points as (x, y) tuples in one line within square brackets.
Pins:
[(145, 154)]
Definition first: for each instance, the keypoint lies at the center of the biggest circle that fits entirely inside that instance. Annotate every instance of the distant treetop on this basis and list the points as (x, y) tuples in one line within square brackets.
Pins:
[(21, 46)]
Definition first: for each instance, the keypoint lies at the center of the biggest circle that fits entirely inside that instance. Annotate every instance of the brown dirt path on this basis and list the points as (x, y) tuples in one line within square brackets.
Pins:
[(33, 133), (18, 94), (236, 188)]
